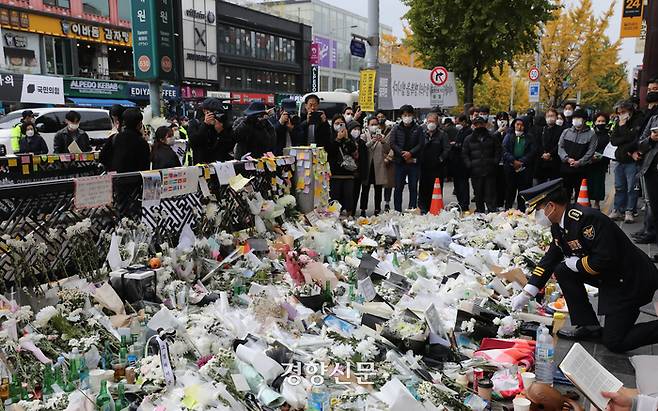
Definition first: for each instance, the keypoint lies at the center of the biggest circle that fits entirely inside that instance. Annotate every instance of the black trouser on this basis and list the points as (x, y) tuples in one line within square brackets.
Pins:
[(426, 188), (484, 191), (651, 188), (356, 193), (517, 182), (620, 333), (365, 194), (501, 186), (572, 184), (462, 192), (342, 190)]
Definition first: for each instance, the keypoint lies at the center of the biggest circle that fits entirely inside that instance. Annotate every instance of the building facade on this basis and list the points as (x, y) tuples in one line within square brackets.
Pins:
[(237, 52), (333, 28)]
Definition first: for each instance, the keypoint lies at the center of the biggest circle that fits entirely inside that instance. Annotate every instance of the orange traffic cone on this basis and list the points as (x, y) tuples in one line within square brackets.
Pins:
[(437, 198), (583, 195)]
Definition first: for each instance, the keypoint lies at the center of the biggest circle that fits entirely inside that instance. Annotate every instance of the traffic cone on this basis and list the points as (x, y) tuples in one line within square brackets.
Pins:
[(437, 199), (583, 195)]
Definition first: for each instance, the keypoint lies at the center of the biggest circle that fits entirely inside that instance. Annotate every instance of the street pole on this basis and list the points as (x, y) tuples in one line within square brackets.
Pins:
[(511, 95), (154, 97), (538, 62), (372, 46)]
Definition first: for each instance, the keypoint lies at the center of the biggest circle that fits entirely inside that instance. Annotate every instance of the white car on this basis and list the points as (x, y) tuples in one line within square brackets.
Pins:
[(96, 122)]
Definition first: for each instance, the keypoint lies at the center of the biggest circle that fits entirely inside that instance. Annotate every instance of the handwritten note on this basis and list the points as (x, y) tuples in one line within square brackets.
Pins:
[(224, 172), (93, 192), (179, 181)]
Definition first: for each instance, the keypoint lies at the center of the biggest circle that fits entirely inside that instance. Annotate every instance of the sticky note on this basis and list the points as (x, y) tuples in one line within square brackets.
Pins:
[(26, 169), (12, 162)]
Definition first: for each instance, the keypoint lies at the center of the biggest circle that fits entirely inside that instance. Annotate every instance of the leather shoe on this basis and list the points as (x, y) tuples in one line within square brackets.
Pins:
[(655, 258), (647, 239), (580, 333)]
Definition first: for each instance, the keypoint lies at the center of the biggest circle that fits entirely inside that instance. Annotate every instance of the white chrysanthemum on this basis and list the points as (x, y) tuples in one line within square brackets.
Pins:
[(343, 351), (43, 317), (367, 349)]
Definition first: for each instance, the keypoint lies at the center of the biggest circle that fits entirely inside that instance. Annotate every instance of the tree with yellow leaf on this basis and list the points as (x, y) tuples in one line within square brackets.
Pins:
[(577, 56), (394, 51), (496, 91)]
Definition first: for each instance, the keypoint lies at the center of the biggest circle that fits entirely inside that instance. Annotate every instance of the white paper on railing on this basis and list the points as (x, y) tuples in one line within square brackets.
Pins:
[(151, 188), (224, 171), (179, 181)]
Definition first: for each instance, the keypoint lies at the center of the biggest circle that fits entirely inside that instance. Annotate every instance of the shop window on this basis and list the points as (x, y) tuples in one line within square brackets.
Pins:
[(338, 83), (94, 121), (50, 123), (97, 7), (251, 44), (58, 3), (58, 55), (324, 83), (125, 12)]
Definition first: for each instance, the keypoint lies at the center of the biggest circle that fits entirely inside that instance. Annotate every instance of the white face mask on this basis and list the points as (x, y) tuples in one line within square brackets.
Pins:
[(348, 118), (459, 126), (502, 123), (541, 219), (339, 126), (577, 122), (29, 133), (355, 133), (373, 129), (518, 133), (559, 121), (431, 126), (73, 126), (176, 134), (407, 119), (624, 117), (568, 113), (551, 120)]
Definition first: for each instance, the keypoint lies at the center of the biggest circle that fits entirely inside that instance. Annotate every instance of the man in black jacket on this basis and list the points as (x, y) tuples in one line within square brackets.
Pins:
[(518, 158), (625, 136), (213, 139), (432, 160), (315, 128), (131, 152), (253, 133), (456, 167), (648, 146), (548, 161), (407, 144), (481, 154), (66, 136)]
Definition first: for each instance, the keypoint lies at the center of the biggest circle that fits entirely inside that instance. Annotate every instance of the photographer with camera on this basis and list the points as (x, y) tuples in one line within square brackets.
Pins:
[(284, 129), (213, 140), (253, 132), (315, 128)]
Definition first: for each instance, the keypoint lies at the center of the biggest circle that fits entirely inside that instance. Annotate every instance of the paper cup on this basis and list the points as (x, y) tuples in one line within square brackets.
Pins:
[(521, 404), (528, 378)]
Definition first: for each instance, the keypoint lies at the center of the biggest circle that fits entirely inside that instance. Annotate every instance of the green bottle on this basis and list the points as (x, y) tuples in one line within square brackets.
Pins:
[(327, 292), (121, 402), (104, 399), (73, 377), (123, 350), (15, 389), (84, 374), (396, 263), (47, 385), (107, 357)]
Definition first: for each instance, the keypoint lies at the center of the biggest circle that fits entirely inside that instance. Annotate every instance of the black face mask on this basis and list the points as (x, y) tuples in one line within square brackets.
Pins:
[(652, 97), (601, 128)]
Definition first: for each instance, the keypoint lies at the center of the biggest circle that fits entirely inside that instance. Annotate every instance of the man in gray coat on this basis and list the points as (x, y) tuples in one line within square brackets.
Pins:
[(576, 148)]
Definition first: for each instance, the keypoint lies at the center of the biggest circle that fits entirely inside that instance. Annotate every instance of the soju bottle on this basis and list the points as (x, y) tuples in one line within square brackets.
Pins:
[(123, 351), (104, 399), (47, 385), (73, 376), (121, 402), (107, 357), (396, 263), (84, 374)]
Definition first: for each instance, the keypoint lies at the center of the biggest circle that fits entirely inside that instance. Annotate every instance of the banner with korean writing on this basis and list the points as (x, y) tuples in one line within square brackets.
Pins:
[(28, 88), (145, 35), (631, 18), (399, 85), (367, 90)]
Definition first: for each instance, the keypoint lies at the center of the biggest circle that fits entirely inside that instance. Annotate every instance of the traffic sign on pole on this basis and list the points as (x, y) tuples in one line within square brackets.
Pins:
[(533, 92), (439, 76), (358, 48), (533, 74)]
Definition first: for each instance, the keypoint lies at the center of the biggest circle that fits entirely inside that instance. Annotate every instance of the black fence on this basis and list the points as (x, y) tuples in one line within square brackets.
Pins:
[(25, 168), (44, 210)]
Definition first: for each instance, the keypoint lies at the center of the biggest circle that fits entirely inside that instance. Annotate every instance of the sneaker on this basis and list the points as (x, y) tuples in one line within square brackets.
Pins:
[(387, 207), (363, 213), (628, 218), (615, 215)]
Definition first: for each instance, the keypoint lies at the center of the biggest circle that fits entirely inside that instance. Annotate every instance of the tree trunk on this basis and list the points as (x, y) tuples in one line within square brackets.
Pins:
[(468, 88)]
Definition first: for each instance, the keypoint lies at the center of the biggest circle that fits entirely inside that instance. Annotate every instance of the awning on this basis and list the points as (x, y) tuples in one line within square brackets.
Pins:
[(100, 102)]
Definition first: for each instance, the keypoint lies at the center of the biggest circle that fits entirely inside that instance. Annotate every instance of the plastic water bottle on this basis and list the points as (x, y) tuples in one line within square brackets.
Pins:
[(544, 356)]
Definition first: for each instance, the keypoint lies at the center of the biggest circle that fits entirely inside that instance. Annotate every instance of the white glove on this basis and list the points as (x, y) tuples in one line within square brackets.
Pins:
[(521, 300), (572, 262)]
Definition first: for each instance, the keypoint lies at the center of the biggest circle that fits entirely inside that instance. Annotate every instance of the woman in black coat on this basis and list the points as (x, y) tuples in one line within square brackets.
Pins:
[(340, 146), (131, 151), (162, 155), (31, 141), (599, 166)]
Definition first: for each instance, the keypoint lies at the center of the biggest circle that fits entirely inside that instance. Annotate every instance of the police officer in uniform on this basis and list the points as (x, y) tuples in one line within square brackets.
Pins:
[(589, 248)]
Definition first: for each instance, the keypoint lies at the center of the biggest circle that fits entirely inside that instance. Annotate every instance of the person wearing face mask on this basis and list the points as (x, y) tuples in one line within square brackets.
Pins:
[(456, 167), (503, 123), (548, 161), (625, 136), (648, 146), (162, 154), (432, 160), (253, 132), (342, 154), (481, 153), (350, 114), (71, 133), (374, 170), (560, 120), (31, 141), (518, 156), (131, 150), (576, 148), (590, 248), (107, 151), (567, 112), (407, 143), (212, 139), (599, 167)]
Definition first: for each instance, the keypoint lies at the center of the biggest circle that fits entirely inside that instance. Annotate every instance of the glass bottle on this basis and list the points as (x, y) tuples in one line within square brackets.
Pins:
[(121, 402), (47, 385), (123, 350), (84, 374), (73, 375), (104, 399), (107, 357)]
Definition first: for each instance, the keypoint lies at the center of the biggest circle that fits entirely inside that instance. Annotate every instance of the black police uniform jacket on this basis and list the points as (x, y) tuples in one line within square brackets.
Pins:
[(624, 274)]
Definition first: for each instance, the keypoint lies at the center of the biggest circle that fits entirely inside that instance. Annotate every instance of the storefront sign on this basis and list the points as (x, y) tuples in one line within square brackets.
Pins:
[(328, 51), (27, 88), (314, 57), (199, 39), (631, 18), (21, 52), (246, 98), (224, 95), (399, 85), (114, 89), (153, 38), (53, 26), (189, 92), (166, 43), (315, 79)]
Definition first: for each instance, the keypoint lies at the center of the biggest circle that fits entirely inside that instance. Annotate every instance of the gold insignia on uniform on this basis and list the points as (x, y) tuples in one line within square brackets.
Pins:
[(574, 214), (538, 271), (588, 232), (574, 245)]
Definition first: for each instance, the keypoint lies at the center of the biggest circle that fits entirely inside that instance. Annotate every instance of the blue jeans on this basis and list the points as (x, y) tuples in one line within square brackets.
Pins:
[(402, 172), (625, 193)]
